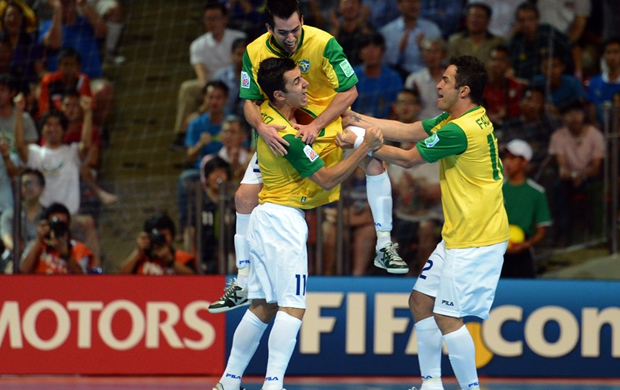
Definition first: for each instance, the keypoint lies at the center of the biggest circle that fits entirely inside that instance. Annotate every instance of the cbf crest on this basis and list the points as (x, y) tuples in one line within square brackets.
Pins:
[(304, 65)]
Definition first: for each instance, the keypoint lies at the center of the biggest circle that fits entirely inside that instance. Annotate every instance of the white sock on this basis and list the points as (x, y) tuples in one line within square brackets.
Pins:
[(462, 354), (245, 341), (113, 36), (429, 353), (379, 194), (242, 252), (282, 340)]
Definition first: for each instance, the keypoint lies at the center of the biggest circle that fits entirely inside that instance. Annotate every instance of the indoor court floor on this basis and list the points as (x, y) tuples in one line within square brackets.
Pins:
[(292, 383)]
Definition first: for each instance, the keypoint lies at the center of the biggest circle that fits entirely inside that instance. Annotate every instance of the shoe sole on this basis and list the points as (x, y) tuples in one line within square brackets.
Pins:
[(223, 309), (395, 271)]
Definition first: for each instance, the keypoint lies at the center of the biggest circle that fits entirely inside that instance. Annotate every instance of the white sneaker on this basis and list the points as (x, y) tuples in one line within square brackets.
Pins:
[(234, 296)]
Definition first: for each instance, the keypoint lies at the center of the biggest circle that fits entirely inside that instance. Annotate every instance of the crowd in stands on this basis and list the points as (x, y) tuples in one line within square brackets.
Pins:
[(552, 66)]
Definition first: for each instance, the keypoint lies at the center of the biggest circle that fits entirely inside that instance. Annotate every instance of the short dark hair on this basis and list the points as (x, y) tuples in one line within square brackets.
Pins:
[(69, 52), (470, 71), (281, 9), (37, 173), (572, 105), (159, 221), (53, 113), (528, 6), (413, 92), (217, 163), (57, 208), (214, 4), (9, 81), (270, 75), (239, 42), (215, 84), (611, 41), (501, 48), (372, 38), (488, 10)]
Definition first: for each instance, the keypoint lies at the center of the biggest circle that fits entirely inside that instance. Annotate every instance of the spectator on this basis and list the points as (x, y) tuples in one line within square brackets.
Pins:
[(208, 53), (231, 76), (203, 137), (403, 35), (349, 26), (503, 92), (475, 40), (32, 186), (570, 18), (216, 178), (527, 207), (602, 87), (407, 106), (112, 14), (426, 79), (18, 31), (154, 253), (503, 15), (378, 84), (361, 237), (233, 137), (560, 87), (54, 251), (247, 16), (54, 85), (579, 149), (9, 166), (533, 126), (446, 14), (533, 41), (71, 107)]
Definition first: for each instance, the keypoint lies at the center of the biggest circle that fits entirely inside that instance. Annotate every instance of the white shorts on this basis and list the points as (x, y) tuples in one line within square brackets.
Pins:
[(277, 238), (252, 172), (462, 281)]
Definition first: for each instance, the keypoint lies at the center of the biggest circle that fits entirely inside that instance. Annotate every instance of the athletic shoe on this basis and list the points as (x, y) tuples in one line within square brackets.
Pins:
[(220, 386), (388, 259), (234, 296)]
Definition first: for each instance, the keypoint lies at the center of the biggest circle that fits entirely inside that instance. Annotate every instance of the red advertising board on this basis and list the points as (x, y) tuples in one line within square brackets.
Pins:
[(111, 324)]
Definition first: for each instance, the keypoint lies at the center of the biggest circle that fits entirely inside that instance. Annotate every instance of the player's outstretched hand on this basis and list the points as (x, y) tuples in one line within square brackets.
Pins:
[(346, 139), (275, 142), (374, 138), (308, 133)]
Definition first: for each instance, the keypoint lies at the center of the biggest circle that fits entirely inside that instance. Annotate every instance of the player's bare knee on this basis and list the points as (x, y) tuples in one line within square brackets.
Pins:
[(246, 198), (373, 167)]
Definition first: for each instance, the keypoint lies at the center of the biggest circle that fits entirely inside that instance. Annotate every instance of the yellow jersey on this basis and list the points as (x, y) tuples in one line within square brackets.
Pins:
[(285, 178), (471, 178), (319, 57)]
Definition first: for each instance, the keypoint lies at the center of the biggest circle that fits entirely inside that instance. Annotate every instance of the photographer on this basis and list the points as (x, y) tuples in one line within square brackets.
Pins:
[(154, 253), (53, 251)]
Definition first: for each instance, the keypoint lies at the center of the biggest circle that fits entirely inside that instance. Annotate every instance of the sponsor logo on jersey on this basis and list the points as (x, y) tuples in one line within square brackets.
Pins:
[(347, 68), (310, 153), (245, 80), (304, 65), (447, 303), (431, 141)]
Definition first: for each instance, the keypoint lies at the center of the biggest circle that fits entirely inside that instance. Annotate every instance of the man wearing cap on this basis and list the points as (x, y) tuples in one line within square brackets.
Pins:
[(527, 207)]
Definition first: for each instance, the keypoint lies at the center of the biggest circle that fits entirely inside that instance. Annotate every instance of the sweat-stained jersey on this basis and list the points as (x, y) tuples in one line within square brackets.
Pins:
[(470, 176), (319, 57), (285, 178)]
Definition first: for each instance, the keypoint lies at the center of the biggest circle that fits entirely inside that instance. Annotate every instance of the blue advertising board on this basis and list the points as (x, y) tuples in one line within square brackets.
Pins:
[(537, 328)]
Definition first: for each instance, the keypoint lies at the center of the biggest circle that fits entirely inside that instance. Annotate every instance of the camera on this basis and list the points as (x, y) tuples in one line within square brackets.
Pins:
[(157, 238), (58, 227)]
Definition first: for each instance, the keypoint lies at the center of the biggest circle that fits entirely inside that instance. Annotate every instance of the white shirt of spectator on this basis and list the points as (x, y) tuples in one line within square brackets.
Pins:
[(61, 168), (427, 87), (213, 55)]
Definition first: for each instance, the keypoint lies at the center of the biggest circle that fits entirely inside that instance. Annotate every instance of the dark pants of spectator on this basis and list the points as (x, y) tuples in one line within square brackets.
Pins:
[(520, 265), (576, 207)]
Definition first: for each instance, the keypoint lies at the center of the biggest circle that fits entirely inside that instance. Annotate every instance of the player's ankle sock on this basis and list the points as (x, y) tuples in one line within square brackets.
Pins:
[(382, 239), (282, 340), (245, 341), (429, 353), (243, 275), (379, 194), (462, 354)]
